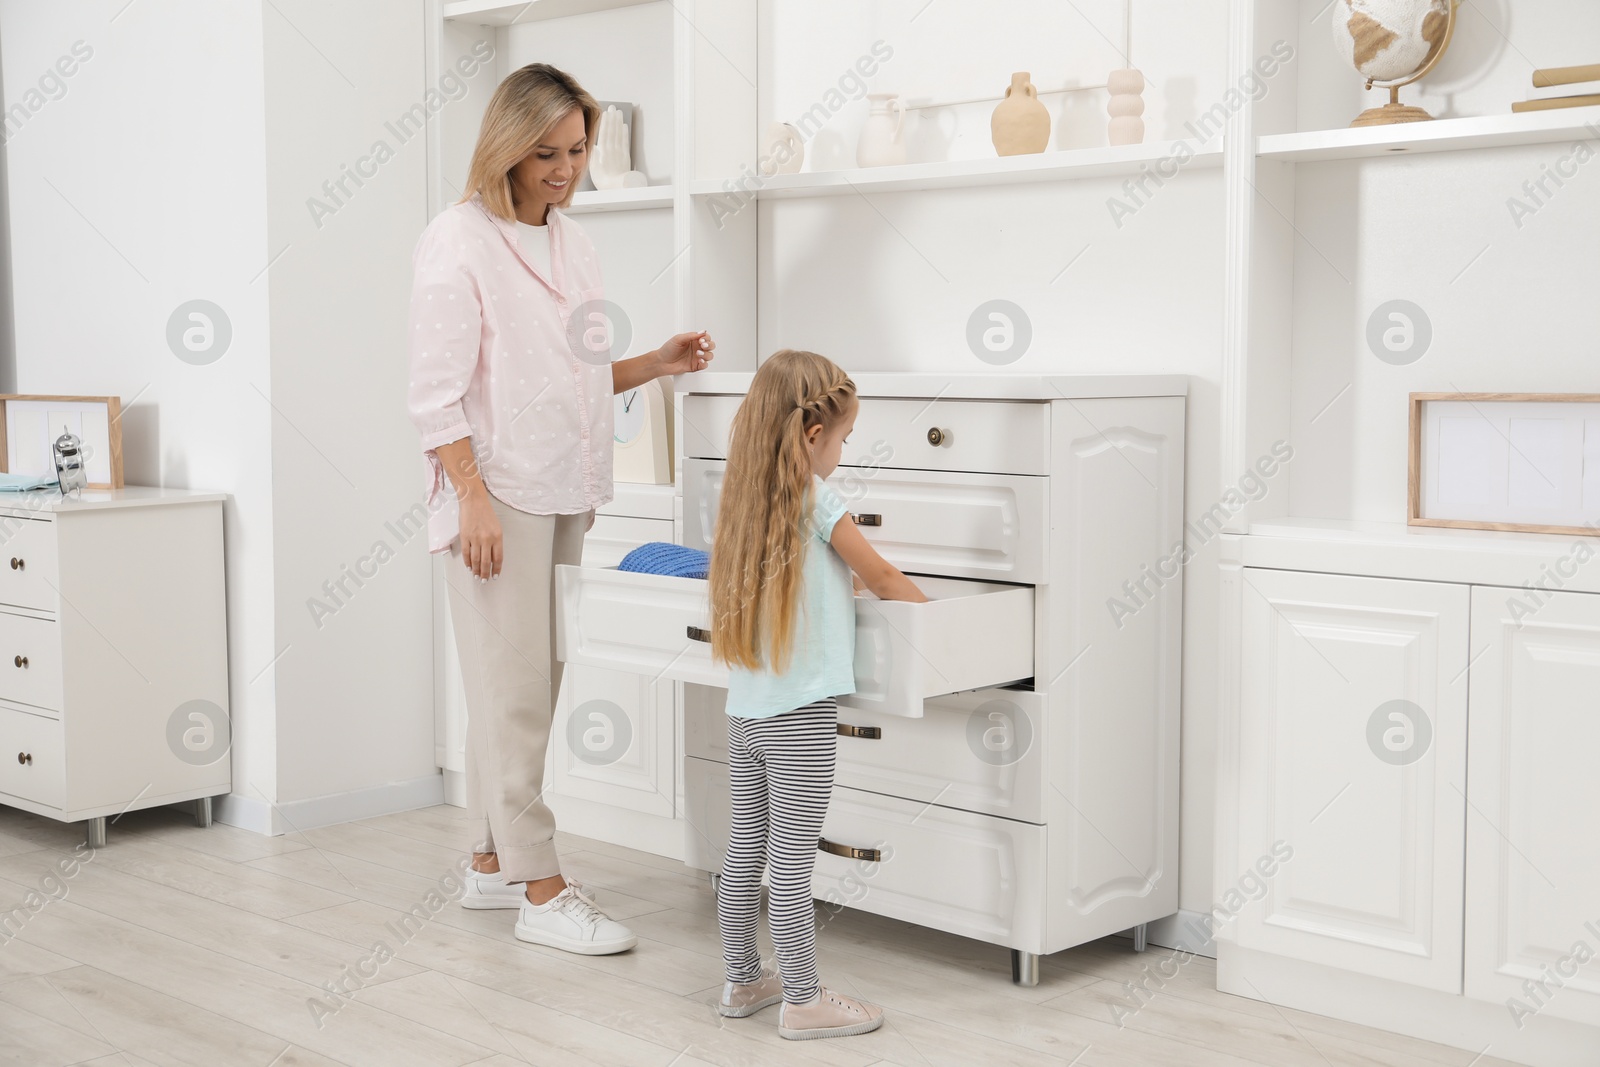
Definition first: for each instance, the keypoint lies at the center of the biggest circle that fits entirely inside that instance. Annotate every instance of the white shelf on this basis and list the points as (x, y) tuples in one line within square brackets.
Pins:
[(957, 174), (500, 13), (595, 200), (1441, 135)]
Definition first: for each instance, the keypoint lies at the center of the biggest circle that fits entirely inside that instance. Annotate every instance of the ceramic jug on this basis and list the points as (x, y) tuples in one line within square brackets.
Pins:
[(1021, 124), (881, 143)]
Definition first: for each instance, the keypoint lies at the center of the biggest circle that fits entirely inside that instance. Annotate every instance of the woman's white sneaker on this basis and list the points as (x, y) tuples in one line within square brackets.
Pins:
[(572, 922), (485, 891)]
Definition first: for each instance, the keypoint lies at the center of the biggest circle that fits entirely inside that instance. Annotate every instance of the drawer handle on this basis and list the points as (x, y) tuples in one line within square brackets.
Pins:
[(25, 757), (21, 661), (870, 733), (871, 855), (697, 633), (868, 520), (936, 436), (17, 564)]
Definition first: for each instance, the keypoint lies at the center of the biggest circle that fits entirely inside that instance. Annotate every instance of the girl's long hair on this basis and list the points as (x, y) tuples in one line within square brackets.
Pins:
[(759, 544), (522, 112)]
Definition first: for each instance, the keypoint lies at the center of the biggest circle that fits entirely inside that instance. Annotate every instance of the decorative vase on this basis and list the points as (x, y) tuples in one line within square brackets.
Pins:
[(1021, 124), (783, 150), (1126, 107), (881, 144)]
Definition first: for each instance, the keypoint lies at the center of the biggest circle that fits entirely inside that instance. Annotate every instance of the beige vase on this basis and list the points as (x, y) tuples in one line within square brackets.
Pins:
[(1021, 124)]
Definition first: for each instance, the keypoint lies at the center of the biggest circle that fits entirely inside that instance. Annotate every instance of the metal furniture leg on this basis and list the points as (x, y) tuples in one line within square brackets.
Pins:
[(202, 812), (1139, 938), (95, 832), (1024, 967)]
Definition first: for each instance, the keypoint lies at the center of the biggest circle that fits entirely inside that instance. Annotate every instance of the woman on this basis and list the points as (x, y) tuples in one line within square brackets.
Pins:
[(515, 411)]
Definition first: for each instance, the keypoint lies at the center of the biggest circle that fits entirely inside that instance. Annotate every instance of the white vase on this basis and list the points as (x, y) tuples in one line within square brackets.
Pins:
[(1126, 107), (783, 151), (881, 143)]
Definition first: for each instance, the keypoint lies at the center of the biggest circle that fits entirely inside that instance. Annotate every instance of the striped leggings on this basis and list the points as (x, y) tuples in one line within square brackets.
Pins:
[(780, 773)]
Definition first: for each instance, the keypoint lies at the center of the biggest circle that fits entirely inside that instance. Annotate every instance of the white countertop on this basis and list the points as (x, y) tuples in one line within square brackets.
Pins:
[(131, 496), (998, 385), (1423, 553)]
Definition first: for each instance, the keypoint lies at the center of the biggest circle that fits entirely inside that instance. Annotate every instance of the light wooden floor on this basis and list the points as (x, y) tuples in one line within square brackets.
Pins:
[(176, 945)]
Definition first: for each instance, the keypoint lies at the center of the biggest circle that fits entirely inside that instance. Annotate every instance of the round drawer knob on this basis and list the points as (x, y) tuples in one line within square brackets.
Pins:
[(936, 436), (21, 661), (25, 757), (17, 564)]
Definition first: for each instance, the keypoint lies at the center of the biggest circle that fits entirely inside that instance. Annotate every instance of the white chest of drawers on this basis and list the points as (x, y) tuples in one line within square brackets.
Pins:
[(113, 653), (1008, 768)]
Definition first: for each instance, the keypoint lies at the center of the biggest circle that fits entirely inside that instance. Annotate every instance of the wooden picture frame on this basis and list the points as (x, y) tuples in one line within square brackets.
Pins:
[(96, 420), (1422, 479)]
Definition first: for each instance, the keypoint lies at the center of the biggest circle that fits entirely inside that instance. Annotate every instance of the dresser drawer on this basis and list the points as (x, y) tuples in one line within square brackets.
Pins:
[(986, 526), (31, 766), (614, 536), (28, 564), (30, 661), (973, 875), (968, 636), (977, 436), (979, 751)]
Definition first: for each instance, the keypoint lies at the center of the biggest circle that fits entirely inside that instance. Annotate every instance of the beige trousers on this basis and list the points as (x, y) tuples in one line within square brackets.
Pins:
[(505, 639)]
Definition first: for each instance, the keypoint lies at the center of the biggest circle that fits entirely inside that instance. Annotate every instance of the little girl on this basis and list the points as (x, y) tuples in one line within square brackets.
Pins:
[(783, 619)]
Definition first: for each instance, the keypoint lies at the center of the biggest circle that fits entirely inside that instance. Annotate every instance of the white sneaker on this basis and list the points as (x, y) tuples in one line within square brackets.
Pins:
[(486, 891), (572, 922)]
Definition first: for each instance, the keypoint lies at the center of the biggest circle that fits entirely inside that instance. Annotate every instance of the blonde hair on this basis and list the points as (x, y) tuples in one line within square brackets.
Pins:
[(758, 546), (522, 112)]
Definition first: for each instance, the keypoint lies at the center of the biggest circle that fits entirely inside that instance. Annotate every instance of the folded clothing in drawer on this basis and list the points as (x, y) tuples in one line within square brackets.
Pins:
[(663, 557)]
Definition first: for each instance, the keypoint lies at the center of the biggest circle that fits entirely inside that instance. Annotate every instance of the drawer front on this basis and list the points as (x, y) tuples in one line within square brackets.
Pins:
[(979, 751), (30, 661), (614, 536), (976, 436), (39, 774), (985, 526), (28, 564), (973, 875), (967, 636)]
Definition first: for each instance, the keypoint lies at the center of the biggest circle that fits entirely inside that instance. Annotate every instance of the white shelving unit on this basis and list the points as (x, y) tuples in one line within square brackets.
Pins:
[(596, 200), (498, 13), (1333, 609)]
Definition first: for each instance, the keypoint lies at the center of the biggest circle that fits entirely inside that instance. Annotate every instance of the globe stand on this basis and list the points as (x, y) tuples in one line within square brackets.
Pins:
[(1394, 111)]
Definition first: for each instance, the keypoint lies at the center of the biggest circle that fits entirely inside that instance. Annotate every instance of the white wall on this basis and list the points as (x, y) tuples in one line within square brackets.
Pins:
[(140, 187)]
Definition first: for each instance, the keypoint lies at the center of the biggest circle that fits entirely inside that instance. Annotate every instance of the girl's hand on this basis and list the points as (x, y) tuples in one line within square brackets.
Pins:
[(686, 353), (482, 543)]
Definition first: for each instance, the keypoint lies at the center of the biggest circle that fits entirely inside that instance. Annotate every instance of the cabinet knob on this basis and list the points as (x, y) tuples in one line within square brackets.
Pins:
[(24, 757), (936, 436), (698, 633), (867, 733), (870, 855), (868, 519), (21, 661), (17, 564)]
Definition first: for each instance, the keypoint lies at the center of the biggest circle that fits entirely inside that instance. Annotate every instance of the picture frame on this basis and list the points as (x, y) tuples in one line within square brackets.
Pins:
[(30, 423), (1519, 462)]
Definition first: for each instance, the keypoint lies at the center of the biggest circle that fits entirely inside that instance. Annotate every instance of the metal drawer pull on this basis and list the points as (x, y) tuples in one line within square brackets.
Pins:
[(936, 436), (17, 564), (21, 661), (871, 733), (870, 855), (24, 757), (868, 520), (696, 633)]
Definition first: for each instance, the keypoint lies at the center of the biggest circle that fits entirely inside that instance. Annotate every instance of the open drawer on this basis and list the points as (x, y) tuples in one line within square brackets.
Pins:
[(969, 635)]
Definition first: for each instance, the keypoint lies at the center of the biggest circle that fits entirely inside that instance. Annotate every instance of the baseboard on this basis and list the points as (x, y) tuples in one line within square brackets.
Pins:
[(1187, 931), (251, 813)]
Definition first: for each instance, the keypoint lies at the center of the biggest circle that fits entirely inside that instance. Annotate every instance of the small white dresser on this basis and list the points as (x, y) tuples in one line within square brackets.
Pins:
[(1008, 767), (113, 653)]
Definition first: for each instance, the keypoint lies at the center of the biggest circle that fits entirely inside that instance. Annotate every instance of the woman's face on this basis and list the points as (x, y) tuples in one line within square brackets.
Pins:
[(545, 174)]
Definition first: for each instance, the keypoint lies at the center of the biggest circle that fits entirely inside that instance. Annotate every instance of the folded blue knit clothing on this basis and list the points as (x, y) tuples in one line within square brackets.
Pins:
[(663, 557)]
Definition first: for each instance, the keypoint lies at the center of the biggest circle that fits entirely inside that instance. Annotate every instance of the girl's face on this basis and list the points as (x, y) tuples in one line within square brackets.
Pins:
[(543, 176), (826, 443)]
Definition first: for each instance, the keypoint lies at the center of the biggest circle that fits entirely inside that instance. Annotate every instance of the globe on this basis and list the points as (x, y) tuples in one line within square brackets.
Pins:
[(1393, 41)]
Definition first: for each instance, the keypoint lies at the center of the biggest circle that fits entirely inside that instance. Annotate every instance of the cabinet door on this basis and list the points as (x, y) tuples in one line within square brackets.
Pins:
[(612, 740), (1533, 882), (1352, 762)]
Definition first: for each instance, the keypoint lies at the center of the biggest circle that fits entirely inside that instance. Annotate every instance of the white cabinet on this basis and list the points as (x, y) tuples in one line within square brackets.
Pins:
[(113, 653), (1533, 872), (1008, 765), (1353, 754)]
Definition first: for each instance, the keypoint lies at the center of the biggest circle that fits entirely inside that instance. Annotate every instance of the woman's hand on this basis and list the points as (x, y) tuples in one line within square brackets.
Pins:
[(482, 543), (686, 353)]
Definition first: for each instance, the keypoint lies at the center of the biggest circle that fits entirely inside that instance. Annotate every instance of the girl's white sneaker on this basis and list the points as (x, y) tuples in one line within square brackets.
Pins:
[(572, 922)]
